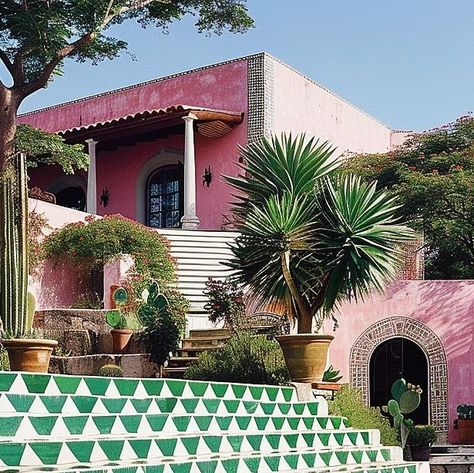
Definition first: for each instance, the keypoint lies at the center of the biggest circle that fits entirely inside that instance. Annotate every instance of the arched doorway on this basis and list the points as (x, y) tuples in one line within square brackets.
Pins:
[(395, 358), (70, 191)]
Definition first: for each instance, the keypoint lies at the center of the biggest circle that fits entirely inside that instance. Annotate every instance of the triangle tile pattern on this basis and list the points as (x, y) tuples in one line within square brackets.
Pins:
[(100, 425)]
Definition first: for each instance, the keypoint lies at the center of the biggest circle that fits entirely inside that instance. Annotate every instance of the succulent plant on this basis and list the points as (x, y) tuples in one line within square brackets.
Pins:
[(331, 375), (111, 371), (153, 300)]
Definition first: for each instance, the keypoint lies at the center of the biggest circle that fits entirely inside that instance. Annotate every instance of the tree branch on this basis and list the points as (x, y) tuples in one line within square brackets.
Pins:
[(6, 61)]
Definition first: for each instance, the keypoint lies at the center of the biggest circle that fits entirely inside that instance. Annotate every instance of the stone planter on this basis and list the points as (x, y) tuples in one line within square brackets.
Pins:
[(420, 453), (305, 356), (30, 355)]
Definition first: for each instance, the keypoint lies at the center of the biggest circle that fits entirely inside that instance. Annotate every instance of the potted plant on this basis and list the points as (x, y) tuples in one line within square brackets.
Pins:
[(420, 439), (465, 424), (310, 239)]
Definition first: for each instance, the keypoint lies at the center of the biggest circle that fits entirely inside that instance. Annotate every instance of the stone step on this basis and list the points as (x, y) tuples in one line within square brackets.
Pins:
[(210, 334), (70, 404), (27, 383), (176, 451)]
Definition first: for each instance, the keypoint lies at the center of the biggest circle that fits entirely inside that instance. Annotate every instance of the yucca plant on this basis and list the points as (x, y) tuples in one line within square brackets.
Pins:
[(310, 238)]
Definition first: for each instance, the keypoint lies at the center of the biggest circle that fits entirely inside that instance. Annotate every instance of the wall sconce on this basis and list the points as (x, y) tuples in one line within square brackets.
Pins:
[(104, 197), (207, 176)]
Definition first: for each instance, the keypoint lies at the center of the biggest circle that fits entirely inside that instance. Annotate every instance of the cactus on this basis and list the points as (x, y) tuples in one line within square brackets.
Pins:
[(331, 375), (14, 247), (406, 398), (153, 301), (111, 371)]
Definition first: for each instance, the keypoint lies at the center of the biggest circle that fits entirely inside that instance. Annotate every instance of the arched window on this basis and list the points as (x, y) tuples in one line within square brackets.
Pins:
[(165, 197), (70, 191)]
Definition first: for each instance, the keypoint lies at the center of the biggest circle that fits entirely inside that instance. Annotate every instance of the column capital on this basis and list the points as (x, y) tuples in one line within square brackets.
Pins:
[(91, 141), (190, 117)]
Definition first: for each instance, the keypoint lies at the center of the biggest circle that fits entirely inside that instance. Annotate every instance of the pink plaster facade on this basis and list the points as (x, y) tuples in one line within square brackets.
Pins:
[(444, 307)]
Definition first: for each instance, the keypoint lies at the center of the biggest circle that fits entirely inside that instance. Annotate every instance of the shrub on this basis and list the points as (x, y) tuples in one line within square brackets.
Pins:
[(226, 302), (349, 403), (245, 358), (111, 371), (4, 361), (422, 436)]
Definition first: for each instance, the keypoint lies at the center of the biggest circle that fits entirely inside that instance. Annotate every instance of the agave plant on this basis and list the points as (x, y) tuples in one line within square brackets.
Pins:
[(310, 238)]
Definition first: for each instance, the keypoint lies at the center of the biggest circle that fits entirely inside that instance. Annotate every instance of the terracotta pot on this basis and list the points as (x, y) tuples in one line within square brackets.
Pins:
[(120, 339), (421, 454), (29, 354), (466, 431), (305, 355)]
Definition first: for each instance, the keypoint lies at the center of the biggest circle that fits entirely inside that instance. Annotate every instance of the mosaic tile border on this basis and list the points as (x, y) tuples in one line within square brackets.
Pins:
[(431, 345)]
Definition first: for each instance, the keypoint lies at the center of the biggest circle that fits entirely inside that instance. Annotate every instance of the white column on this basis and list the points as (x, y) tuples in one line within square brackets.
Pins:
[(189, 219), (91, 201)]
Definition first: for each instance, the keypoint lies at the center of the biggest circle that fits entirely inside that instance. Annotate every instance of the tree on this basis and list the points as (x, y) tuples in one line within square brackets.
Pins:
[(432, 173), (310, 240)]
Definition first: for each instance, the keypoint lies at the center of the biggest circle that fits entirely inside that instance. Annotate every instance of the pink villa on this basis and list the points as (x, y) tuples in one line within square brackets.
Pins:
[(158, 151)]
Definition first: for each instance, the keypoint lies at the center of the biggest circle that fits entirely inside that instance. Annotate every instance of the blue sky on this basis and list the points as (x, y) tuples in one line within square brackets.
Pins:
[(409, 63)]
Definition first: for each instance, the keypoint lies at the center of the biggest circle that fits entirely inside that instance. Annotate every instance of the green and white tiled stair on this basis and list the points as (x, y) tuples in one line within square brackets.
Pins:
[(77, 424)]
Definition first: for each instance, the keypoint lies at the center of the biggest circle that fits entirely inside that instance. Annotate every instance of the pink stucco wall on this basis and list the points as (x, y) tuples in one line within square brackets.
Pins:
[(301, 105), (446, 307)]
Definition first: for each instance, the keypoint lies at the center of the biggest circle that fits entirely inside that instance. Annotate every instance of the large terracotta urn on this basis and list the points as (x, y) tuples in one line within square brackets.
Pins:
[(306, 355), (26, 354)]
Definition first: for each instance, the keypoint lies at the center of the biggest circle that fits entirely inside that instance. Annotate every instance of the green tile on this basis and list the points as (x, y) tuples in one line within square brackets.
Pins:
[(181, 467), (323, 422), (153, 387), (326, 457), (291, 460), (6, 381), (104, 423), (309, 439), (21, 402), (53, 404), (255, 441), (67, 384), (273, 462), (357, 455), (261, 422), (278, 422), (211, 405), (190, 405), (203, 422), (238, 390), (126, 387), (82, 450), (141, 405), (284, 407), (36, 383), (308, 422), (141, 447), (324, 438), (231, 405), (385, 453), (243, 421), (181, 422), (166, 405), (235, 441), (252, 463), (166, 446), (131, 423), (336, 422), (365, 437), (287, 393), (309, 459), (291, 439), (231, 465), (43, 425), (353, 437), (97, 386), (9, 425), (176, 387), (114, 405), (339, 438), (224, 422), (272, 392), (198, 389), (112, 448), (208, 466), (268, 408), (84, 404), (219, 389), (154, 468), (298, 408), (75, 424), (342, 456), (156, 421), (313, 408), (399, 469), (47, 452), (11, 453), (372, 454), (190, 444), (293, 422), (411, 468), (274, 440), (256, 392), (213, 442)]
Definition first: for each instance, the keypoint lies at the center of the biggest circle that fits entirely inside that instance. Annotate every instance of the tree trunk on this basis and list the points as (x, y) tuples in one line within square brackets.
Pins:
[(305, 323), (9, 103)]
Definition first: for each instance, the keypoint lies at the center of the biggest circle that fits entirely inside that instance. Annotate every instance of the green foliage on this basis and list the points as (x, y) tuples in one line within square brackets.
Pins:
[(111, 371), (245, 358), (163, 332), (4, 360), (432, 174), (310, 240), (349, 403), (465, 412), (153, 302), (37, 225), (225, 302), (422, 436), (43, 148), (331, 375)]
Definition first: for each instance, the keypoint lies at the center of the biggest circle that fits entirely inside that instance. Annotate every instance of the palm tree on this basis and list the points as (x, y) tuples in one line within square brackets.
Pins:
[(309, 237)]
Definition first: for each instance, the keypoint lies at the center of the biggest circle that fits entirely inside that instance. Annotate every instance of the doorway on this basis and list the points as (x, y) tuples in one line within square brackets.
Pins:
[(395, 358)]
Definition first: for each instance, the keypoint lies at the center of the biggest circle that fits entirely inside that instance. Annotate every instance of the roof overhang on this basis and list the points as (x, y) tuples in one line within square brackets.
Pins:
[(209, 122)]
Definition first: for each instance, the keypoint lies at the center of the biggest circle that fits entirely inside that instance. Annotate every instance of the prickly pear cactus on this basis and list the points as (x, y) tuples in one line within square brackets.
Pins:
[(153, 300)]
